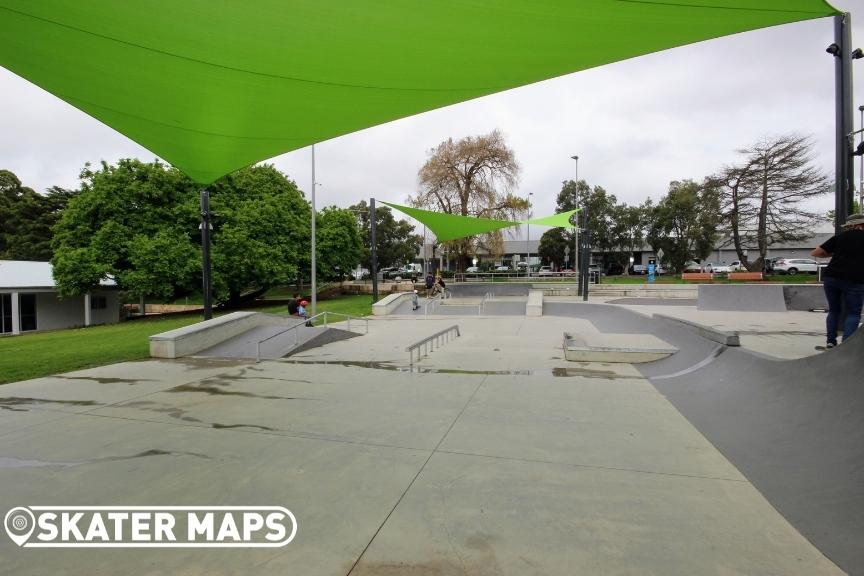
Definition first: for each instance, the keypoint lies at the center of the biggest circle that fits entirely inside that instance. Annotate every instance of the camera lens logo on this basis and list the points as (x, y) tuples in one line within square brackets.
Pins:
[(19, 523)]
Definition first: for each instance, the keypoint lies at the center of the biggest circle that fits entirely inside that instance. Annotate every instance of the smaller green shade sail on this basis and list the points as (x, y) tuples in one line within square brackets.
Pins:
[(451, 227), (560, 220)]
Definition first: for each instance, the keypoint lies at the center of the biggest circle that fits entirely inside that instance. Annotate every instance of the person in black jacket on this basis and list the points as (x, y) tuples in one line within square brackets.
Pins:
[(843, 279)]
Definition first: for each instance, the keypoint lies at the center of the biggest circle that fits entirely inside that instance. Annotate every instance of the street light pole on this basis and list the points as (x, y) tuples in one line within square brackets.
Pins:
[(314, 249), (575, 205)]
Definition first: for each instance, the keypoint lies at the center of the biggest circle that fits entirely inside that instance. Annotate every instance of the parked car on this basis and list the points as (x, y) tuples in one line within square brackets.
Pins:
[(715, 268), (396, 273), (737, 266), (545, 271), (693, 266), (472, 270), (502, 269), (795, 265), (642, 270)]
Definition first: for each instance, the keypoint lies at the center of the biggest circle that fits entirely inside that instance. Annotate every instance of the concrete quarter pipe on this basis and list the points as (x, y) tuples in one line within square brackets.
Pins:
[(796, 429)]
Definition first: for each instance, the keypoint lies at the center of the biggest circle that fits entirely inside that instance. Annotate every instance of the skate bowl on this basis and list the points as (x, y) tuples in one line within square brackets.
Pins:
[(795, 429)]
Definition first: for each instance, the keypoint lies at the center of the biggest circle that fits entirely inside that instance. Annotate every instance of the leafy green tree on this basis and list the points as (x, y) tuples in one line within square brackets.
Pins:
[(139, 223), (602, 211), (26, 218), (397, 243), (340, 243), (261, 232), (684, 223), (117, 205), (628, 231), (553, 247)]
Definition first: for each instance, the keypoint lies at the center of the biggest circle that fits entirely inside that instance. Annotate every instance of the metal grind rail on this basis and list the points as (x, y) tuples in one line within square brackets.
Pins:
[(309, 320), (428, 343)]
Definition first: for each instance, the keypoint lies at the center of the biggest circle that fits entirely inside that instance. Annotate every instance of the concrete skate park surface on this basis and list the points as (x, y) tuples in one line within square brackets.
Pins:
[(491, 455)]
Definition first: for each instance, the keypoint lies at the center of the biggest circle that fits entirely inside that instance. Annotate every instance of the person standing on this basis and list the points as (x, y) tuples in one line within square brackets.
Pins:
[(430, 281), (843, 279)]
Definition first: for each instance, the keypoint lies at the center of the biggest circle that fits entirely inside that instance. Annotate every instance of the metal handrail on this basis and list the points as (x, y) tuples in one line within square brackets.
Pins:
[(304, 323), (431, 303), (429, 342)]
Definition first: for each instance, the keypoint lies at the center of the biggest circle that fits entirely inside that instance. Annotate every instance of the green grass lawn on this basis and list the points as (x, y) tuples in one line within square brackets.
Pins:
[(41, 354)]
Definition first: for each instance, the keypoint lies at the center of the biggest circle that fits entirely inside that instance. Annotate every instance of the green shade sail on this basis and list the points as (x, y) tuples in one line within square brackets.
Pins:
[(451, 227), (215, 85)]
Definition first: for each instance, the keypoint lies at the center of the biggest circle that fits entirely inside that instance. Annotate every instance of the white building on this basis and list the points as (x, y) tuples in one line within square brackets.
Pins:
[(29, 300)]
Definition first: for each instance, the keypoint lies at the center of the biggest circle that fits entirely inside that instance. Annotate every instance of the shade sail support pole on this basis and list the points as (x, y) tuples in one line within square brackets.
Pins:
[(206, 228)]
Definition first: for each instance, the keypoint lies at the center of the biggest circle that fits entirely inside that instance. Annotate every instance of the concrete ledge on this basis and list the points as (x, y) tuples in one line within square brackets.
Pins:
[(741, 297), (197, 337), (534, 306), (388, 304), (643, 348), (713, 334)]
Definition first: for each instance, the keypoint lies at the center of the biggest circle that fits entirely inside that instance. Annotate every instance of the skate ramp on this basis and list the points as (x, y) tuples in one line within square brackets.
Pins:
[(275, 341), (732, 297), (795, 428)]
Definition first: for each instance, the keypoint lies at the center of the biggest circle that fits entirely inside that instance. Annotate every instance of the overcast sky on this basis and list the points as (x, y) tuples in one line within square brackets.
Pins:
[(635, 125)]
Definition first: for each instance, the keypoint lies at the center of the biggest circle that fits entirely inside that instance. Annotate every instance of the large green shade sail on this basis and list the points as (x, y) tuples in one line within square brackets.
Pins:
[(214, 85), (451, 226)]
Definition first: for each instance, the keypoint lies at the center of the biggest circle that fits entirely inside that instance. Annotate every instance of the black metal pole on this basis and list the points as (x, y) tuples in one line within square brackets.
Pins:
[(205, 253), (848, 111), (373, 216), (843, 167)]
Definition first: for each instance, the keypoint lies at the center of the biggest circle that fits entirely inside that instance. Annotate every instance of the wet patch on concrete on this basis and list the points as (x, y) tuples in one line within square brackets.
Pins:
[(107, 379), (557, 372), (181, 414), (161, 408), (218, 426), (214, 391), (12, 403), (10, 462)]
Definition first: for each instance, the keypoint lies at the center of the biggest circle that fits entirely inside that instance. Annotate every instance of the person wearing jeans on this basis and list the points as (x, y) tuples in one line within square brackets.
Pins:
[(843, 279)]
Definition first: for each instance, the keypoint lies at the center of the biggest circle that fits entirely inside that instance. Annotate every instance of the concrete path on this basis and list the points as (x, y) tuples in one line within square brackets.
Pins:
[(492, 456)]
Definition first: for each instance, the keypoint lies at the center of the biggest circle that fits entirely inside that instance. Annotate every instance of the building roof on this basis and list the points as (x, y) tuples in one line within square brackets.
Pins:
[(25, 274)]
